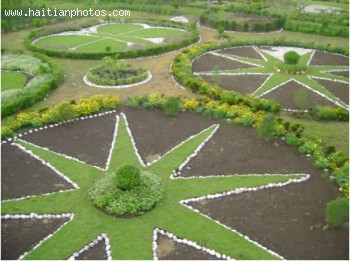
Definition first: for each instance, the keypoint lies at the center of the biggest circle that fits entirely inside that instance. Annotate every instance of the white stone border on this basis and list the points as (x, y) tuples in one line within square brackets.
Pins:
[(91, 84), (197, 151), (238, 191), (36, 216), (93, 243), (187, 242)]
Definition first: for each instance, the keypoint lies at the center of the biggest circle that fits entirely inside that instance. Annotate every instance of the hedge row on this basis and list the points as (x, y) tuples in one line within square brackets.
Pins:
[(194, 37), (26, 97), (214, 20), (182, 70), (322, 113), (58, 113), (315, 28)]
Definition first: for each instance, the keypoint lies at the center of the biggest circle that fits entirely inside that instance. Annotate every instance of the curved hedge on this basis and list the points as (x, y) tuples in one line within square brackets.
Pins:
[(46, 78), (194, 37), (182, 70)]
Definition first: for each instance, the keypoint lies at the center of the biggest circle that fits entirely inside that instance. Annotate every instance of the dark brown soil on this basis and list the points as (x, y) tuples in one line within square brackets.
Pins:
[(323, 58), (98, 252), (240, 150), (341, 73), (243, 51), (21, 235), (210, 62), (286, 95), (169, 249), (22, 175), (244, 84), (80, 140), (288, 220), (339, 89)]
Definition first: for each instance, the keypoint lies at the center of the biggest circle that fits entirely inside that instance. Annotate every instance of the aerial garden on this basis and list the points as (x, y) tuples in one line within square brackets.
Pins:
[(187, 130)]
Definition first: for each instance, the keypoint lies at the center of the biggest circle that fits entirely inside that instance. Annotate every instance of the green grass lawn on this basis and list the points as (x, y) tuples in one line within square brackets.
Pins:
[(112, 35), (12, 80)]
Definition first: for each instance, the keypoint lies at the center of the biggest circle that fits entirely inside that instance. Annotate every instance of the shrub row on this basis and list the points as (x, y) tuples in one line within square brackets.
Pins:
[(315, 28), (194, 37), (324, 113), (214, 20), (62, 112), (24, 98)]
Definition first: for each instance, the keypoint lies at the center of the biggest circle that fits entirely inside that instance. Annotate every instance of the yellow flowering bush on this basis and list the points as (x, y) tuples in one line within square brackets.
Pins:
[(26, 118), (87, 106), (155, 100), (190, 104)]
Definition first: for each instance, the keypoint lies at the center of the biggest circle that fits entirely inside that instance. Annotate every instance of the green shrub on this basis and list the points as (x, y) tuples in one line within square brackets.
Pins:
[(128, 177), (337, 212), (172, 106), (292, 140), (66, 112), (266, 128), (106, 195), (291, 57)]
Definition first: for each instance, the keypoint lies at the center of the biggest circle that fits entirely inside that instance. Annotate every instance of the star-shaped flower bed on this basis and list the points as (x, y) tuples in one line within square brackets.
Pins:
[(133, 238), (323, 83)]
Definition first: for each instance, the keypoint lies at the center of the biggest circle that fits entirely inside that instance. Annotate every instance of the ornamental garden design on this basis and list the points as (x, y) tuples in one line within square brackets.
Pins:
[(176, 138)]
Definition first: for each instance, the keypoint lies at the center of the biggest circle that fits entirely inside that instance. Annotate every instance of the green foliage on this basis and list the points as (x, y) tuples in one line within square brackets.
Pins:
[(291, 57), (266, 128), (172, 106), (337, 212), (128, 177), (106, 195)]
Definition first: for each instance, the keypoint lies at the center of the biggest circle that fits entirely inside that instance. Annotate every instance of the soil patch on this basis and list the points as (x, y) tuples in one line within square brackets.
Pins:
[(98, 252), (169, 249), (324, 58), (244, 51), (244, 84), (21, 235), (22, 175), (341, 73), (155, 133), (292, 95), (80, 140), (210, 62), (339, 89), (289, 220)]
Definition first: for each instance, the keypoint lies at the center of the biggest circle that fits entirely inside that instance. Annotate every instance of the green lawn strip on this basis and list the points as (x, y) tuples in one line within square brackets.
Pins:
[(100, 46), (118, 29), (68, 41), (12, 80), (331, 133), (273, 81), (158, 32), (304, 59), (321, 71), (123, 151), (136, 40)]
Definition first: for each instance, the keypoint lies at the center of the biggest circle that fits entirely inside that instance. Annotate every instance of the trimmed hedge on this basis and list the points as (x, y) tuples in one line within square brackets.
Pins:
[(26, 97), (194, 37)]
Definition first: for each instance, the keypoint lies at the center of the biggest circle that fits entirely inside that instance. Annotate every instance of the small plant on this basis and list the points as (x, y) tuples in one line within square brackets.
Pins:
[(172, 106), (291, 57), (266, 128), (128, 177), (337, 212)]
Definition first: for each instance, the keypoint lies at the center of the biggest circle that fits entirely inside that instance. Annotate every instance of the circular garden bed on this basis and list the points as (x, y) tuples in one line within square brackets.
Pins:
[(254, 70), (268, 199), (130, 40)]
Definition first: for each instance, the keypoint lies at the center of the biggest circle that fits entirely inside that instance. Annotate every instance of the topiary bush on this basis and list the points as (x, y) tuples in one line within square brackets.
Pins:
[(291, 57), (337, 212), (128, 177)]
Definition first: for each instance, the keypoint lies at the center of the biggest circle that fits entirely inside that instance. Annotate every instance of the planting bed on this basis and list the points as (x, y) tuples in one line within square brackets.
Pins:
[(115, 37), (253, 70), (288, 218)]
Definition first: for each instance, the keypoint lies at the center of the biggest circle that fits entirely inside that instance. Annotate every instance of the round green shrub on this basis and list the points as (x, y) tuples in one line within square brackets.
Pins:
[(128, 177), (337, 212), (291, 57), (106, 195), (172, 106)]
